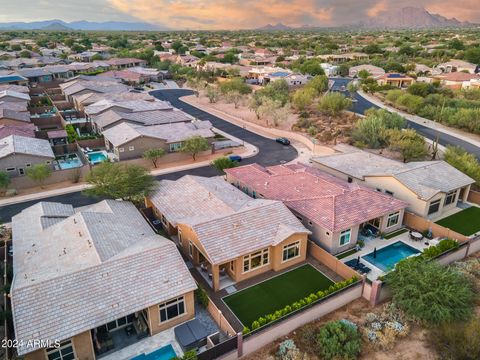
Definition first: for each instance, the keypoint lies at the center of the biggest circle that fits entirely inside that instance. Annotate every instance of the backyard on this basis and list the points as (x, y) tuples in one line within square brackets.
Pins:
[(274, 294), (464, 222)]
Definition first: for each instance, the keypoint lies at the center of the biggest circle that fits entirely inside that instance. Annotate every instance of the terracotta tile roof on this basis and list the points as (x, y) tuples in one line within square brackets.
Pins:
[(330, 202)]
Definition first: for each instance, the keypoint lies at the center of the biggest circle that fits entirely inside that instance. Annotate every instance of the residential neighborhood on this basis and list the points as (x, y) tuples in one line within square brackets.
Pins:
[(289, 182)]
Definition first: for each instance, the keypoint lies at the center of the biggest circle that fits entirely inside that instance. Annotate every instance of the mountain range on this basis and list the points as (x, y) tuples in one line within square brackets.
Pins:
[(60, 25), (404, 18)]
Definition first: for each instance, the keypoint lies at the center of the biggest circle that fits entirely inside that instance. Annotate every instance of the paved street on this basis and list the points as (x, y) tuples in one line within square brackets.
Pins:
[(270, 153)]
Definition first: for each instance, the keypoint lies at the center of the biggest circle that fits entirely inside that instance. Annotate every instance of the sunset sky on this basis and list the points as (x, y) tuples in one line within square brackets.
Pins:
[(225, 14)]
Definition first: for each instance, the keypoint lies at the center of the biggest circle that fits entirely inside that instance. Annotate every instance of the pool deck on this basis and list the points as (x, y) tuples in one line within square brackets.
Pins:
[(378, 243)]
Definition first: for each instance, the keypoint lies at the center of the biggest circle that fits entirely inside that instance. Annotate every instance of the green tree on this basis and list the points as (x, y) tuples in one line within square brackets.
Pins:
[(463, 161), (212, 93), (303, 98), (117, 181), (39, 173), (339, 340), (235, 85), (430, 292), (409, 143), (371, 130), (310, 66), (363, 74), (196, 84), (411, 103), (154, 155), (352, 88), (25, 54), (333, 103), (472, 55), (194, 145), (4, 181), (273, 111), (277, 90), (71, 133), (421, 89), (223, 163), (319, 84)]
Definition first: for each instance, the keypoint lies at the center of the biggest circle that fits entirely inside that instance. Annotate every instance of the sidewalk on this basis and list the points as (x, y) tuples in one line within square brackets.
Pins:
[(250, 150), (459, 134)]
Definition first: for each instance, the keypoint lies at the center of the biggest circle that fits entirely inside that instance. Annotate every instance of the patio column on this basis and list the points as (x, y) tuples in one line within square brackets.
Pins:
[(215, 277)]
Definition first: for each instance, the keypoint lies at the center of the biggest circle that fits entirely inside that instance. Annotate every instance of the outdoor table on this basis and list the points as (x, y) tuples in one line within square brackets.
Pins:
[(416, 235)]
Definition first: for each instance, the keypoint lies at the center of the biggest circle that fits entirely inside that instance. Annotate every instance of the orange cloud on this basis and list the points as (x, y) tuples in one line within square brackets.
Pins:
[(227, 14), (377, 8)]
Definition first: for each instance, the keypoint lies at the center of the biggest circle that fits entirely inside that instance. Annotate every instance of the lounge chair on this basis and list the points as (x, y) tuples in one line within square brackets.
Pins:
[(88, 149)]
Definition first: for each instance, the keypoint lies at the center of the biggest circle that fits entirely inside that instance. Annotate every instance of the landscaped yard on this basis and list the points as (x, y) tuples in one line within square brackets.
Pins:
[(274, 294), (466, 222)]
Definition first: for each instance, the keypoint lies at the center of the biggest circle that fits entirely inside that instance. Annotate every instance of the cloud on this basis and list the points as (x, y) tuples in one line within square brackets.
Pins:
[(227, 14)]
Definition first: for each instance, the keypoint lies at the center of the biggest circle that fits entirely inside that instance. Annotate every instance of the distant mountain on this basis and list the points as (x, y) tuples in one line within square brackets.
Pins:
[(411, 17), (276, 27), (81, 25)]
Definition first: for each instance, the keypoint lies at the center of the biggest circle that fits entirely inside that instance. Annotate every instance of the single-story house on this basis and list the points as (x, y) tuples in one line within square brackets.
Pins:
[(374, 71), (14, 79), (36, 75), (334, 210), (11, 117), (122, 63), (396, 80), (456, 80), (129, 141), (14, 96), (18, 153), (429, 187), (458, 66), (225, 232), (83, 277), (26, 129)]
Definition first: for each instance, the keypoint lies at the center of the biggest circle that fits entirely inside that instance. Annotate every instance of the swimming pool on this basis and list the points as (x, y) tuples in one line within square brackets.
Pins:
[(386, 258), (96, 157), (164, 353), (69, 162)]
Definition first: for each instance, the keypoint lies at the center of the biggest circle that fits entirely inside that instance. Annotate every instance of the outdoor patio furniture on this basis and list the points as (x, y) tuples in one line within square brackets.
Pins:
[(88, 149), (415, 235), (222, 271), (203, 267)]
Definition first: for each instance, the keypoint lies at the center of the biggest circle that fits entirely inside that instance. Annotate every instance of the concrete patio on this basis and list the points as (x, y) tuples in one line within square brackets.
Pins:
[(379, 243)]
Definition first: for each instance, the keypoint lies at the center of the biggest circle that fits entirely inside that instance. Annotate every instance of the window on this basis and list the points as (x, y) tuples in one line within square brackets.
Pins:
[(175, 147), (21, 171), (180, 237), (310, 223), (11, 169), (434, 207), (119, 323), (291, 251), (254, 194), (345, 237), (172, 309), (393, 219), (121, 149), (190, 249), (255, 260), (388, 192), (450, 197), (131, 148), (232, 266), (63, 352)]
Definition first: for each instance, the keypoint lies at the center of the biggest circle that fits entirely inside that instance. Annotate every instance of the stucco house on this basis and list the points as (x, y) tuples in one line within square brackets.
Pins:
[(332, 209), (130, 141), (429, 187), (395, 79), (85, 276), (456, 65), (11, 117), (374, 71), (227, 234), (18, 153)]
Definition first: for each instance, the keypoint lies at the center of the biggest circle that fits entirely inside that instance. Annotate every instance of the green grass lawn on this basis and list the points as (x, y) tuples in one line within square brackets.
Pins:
[(274, 294), (466, 222), (346, 253)]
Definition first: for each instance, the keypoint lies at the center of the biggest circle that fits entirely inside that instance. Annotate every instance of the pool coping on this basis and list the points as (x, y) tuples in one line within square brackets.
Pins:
[(383, 247)]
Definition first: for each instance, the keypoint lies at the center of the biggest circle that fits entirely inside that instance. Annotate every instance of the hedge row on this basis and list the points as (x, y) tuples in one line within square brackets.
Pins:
[(263, 320)]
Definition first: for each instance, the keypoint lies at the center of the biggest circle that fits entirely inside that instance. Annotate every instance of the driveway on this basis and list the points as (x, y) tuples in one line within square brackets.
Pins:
[(270, 153)]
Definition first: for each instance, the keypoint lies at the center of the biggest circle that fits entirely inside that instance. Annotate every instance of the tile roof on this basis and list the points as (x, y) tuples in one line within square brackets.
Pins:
[(15, 94), (27, 130), (155, 117), (330, 202), (15, 144), (16, 88), (424, 178), (228, 222), (128, 106), (75, 270), (170, 133), (14, 115)]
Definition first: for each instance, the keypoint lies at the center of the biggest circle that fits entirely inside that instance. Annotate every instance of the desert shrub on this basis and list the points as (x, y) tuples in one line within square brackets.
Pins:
[(410, 102), (308, 339), (430, 292), (444, 245), (287, 350), (457, 341), (393, 95), (339, 340)]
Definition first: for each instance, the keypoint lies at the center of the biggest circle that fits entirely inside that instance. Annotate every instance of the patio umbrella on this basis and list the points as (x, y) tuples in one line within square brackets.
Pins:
[(358, 261), (375, 253)]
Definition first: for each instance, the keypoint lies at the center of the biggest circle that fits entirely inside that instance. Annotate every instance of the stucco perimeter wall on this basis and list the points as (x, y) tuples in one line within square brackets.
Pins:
[(474, 196), (331, 261), (262, 338), (24, 182), (418, 223)]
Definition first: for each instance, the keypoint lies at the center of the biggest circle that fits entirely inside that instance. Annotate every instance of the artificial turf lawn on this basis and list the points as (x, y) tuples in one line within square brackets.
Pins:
[(274, 294), (466, 222), (345, 254)]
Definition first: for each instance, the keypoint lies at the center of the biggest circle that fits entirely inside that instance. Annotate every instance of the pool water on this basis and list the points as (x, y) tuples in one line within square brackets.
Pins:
[(97, 157), (164, 353), (70, 163), (390, 255)]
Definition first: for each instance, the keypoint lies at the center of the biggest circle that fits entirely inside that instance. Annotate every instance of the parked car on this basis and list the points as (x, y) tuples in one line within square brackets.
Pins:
[(236, 158), (283, 140)]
